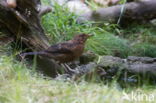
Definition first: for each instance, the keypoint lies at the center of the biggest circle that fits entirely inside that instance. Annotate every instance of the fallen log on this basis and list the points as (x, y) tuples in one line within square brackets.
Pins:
[(136, 65), (108, 67), (139, 11), (23, 22)]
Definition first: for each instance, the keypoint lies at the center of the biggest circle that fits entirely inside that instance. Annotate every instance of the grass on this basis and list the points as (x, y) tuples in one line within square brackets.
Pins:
[(61, 25), (22, 84), (65, 27)]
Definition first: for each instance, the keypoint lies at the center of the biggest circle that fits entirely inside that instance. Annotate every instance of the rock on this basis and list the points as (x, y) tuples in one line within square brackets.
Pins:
[(11, 3), (76, 6), (63, 77), (153, 22), (109, 61), (84, 69)]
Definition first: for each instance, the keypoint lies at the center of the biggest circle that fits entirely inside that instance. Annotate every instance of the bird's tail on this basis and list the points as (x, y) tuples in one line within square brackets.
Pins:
[(32, 53)]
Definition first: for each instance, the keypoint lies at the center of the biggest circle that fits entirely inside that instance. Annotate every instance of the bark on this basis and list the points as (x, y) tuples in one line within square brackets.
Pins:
[(136, 65), (132, 12), (109, 67), (23, 22)]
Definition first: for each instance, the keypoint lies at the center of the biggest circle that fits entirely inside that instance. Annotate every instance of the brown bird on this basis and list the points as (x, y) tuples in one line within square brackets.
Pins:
[(64, 52)]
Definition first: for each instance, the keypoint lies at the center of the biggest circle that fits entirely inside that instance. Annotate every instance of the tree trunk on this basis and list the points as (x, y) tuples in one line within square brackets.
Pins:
[(123, 14), (130, 70), (23, 22)]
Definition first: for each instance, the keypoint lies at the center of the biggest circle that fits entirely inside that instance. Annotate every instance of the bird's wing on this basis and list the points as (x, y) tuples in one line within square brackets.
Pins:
[(63, 48)]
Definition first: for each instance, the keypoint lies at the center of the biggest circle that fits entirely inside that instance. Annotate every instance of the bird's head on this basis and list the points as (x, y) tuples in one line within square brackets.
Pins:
[(81, 38)]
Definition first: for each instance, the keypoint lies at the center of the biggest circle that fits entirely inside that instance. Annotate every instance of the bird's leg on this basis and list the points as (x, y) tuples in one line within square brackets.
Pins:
[(65, 68), (68, 69)]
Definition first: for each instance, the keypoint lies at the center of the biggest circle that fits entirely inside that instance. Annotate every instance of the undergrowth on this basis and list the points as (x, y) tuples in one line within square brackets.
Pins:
[(109, 39), (22, 84), (19, 84)]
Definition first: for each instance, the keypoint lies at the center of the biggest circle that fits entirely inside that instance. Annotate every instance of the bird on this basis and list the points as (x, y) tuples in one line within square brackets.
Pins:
[(64, 52)]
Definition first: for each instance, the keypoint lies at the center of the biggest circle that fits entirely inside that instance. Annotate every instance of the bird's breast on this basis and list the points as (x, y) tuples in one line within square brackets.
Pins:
[(78, 50)]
